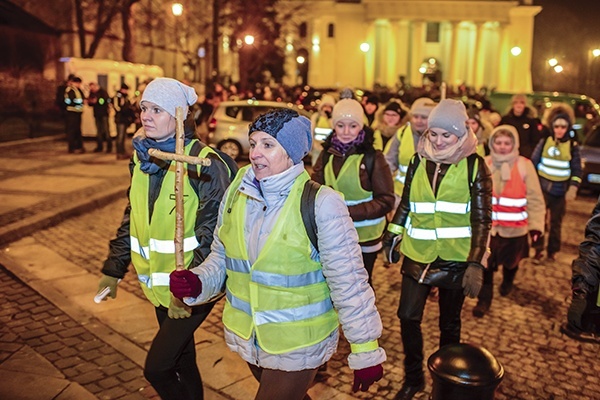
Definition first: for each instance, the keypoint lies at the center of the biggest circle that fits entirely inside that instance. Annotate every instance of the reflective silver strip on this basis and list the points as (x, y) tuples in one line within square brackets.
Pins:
[(402, 168), (284, 315), (322, 133), (143, 251), (236, 265), (272, 279), (438, 233), (554, 171), (355, 202), (551, 162), (293, 314), (158, 279), (400, 178), (441, 206), (168, 246), (508, 216), (508, 202), (238, 303), (368, 222)]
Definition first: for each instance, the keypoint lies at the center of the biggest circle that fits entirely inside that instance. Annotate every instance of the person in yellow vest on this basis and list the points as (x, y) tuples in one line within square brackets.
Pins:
[(284, 297), (389, 121), (74, 99), (518, 211), (558, 164), (350, 165), (402, 146), (321, 126), (147, 232), (442, 226)]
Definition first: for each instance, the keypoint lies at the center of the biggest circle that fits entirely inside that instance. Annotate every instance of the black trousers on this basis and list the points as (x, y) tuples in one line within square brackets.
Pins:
[(277, 384), (73, 127), (412, 304), (171, 362), (555, 206), (369, 262), (102, 133)]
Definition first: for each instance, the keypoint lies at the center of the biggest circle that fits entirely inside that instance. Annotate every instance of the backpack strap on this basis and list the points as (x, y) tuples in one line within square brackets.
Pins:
[(193, 173), (307, 209)]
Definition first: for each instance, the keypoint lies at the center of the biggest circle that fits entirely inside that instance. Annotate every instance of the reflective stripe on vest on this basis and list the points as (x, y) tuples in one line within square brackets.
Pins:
[(439, 226), (282, 296), (509, 208), (555, 163), (322, 128), (407, 150), (153, 241), (348, 183), (75, 105)]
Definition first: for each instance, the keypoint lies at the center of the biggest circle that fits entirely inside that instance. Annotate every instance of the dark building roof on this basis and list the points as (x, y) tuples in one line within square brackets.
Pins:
[(14, 16)]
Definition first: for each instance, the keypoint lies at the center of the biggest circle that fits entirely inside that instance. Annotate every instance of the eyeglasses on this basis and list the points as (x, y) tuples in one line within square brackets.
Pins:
[(560, 126)]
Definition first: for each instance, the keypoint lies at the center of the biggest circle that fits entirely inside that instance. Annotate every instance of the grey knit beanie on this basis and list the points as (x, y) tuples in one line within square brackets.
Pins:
[(289, 128), (169, 94), (449, 115)]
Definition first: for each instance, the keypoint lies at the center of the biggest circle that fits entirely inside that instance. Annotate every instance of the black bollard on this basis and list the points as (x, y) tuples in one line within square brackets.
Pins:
[(464, 372)]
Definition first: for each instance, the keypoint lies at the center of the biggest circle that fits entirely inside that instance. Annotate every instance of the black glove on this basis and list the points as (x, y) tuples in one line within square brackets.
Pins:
[(473, 280), (391, 247), (577, 308), (535, 236)]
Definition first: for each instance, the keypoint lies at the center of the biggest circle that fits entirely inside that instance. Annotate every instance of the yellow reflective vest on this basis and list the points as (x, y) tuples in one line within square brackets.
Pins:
[(555, 163), (153, 241), (282, 297), (439, 226), (348, 183), (407, 150)]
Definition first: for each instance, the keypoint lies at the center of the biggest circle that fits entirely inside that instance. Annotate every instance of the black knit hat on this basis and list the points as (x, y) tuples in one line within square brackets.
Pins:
[(395, 107)]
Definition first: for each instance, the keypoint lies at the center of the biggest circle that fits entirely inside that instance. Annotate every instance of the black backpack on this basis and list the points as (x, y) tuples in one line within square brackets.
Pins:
[(193, 170)]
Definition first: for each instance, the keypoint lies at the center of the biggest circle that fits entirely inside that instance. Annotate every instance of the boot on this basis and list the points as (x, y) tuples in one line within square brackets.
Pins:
[(507, 281)]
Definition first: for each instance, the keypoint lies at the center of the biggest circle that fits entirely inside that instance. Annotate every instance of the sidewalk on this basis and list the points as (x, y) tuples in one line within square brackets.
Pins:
[(42, 186)]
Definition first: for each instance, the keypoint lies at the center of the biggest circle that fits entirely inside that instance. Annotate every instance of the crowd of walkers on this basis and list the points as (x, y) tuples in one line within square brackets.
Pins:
[(450, 193)]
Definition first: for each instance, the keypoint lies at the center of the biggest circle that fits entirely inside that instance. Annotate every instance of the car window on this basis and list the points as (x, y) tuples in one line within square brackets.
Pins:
[(593, 138)]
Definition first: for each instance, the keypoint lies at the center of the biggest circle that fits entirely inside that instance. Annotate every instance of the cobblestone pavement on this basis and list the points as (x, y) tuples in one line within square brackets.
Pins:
[(521, 330)]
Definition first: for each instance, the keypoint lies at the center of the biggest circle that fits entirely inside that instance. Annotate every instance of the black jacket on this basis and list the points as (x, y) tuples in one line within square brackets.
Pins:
[(529, 128), (586, 267), (213, 182), (448, 273)]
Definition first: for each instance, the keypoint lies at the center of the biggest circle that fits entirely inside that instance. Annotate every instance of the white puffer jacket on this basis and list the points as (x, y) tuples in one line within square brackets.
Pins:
[(340, 255)]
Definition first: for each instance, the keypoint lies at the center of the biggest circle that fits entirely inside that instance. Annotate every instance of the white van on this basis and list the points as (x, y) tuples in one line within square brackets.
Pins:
[(110, 75)]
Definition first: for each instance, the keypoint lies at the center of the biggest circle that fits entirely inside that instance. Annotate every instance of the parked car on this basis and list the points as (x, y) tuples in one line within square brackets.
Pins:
[(590, 158), (228, 125)]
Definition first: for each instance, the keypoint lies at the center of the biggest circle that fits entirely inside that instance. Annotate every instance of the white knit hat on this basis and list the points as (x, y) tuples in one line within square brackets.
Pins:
[(169, 94), (449, 115), (422, 106), (348, 109)]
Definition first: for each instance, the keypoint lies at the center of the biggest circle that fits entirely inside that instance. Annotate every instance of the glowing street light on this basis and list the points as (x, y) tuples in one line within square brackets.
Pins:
[(177, 9), (364, 47), (553, 62), (558, 69), (249, 39), (596, 52), (300, 60), (515, 51)]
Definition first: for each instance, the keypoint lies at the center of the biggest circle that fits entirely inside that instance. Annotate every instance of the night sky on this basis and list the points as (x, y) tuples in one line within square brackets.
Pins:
[(567, 30)]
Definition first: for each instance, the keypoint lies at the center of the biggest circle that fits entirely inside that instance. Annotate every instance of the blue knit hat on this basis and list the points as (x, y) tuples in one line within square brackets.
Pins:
[(289, 128)]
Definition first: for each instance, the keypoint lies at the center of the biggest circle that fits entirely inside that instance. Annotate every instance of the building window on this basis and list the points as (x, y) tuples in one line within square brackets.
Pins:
[(302, 30), (330, 30), (433, 32)]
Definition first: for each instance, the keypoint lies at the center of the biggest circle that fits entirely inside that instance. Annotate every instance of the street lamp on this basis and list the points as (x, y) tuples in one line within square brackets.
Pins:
[(249, 40), (553, 62), (177, 10)]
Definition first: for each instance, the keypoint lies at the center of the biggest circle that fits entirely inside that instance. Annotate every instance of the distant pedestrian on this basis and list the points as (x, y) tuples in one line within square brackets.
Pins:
[(284, 298), (74, 100), (147, 233), (321, 125), (524, 118), (558, 162), (481, 129), (371, 105), (389, 121), (100, 101), (518, 211), (124, 117), (441, 227), (403, 145), (350, 164)]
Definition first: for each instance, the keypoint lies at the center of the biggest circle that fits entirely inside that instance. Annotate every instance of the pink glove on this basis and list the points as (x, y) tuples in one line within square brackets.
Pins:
[(185, 283), (363, 378)]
